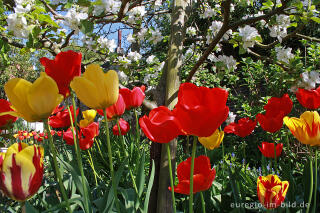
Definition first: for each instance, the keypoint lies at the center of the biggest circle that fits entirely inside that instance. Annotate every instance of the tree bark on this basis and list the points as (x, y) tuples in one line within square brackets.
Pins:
[(172, 82)]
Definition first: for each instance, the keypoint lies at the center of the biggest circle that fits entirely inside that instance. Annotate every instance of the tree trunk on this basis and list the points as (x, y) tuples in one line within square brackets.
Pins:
[(172, 82)]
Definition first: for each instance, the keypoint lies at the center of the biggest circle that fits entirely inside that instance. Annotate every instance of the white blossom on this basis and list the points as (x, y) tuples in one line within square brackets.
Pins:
[(134, 56), (18, 24), (191, 31), (278, 31), (130, 38), (152, 59), (124, 61), (142, 34), (21, 9), (157, 4), (155, 36), (108, 6), (249, 35), (229, 61), (106, 43), (88, 42), (122, 76), (72, 19), (231, 118), (136, 13), (283, 20), (284, 54), (310, 79)]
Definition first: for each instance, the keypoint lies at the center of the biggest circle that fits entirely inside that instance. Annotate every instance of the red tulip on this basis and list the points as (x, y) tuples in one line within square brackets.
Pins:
[(243, 128), (124, 127), (86, 136), (133, 98), (6, 119), (203, 175), (161, 125), (60, 117), (270, 122), (116, 109), (275, 105), (309, 99), (63, 69), (267, 149), (201, 110)]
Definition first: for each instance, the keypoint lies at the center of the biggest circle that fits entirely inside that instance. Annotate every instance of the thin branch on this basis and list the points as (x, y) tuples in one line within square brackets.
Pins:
[(54, 13), (253, 20), (307, 37), (267, 59), (216, 39), (67, 39), (12, 43), (271, 45)]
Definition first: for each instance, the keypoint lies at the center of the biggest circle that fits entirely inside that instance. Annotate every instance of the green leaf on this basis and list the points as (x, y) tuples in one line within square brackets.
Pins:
[(86, 26), (151, 179), (47, 18), (316, 19), (30, 208)]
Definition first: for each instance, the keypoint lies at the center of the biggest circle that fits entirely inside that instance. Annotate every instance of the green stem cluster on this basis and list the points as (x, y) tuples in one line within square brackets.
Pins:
[(77, 150), (55, 164), (110, 162), (171, 178), (193, 155)]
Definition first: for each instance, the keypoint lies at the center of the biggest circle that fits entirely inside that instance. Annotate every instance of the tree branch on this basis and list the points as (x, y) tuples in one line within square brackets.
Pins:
[(225, 27), (267, 59), (307, 37), (12, 43)]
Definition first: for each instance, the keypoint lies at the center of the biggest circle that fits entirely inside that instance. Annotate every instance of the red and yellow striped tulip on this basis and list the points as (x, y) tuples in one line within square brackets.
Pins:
[(306, 128), (271, 191), (21, 171)]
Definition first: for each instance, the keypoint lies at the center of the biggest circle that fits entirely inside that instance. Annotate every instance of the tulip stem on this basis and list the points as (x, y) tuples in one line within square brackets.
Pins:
[(275, 158), (77, 150), (23, 207), (311, 183), (193, 155), (315, 181), (110, 162), (127, 156), (171, 178), (137, 127), (202, 203), (55, 164)]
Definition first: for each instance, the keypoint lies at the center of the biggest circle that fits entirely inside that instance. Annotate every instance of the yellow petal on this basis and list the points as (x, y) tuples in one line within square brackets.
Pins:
[(212, 141), (310, 117), (44, 96), (17, 90), (111, 84), (89, 114), (86, 91), (95, 74)]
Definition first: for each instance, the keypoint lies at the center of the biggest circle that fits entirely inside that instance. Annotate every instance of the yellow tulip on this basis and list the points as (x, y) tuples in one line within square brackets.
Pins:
[(21, 171), (33, 101), (96, 89), (212, 141), (306, 129), (88, 117)]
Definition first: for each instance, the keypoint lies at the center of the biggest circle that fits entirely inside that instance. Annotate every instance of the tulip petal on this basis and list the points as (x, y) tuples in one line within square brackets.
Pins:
[(86, 91), (17, 90), (94, 73), (43, 96), (111, 84)]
